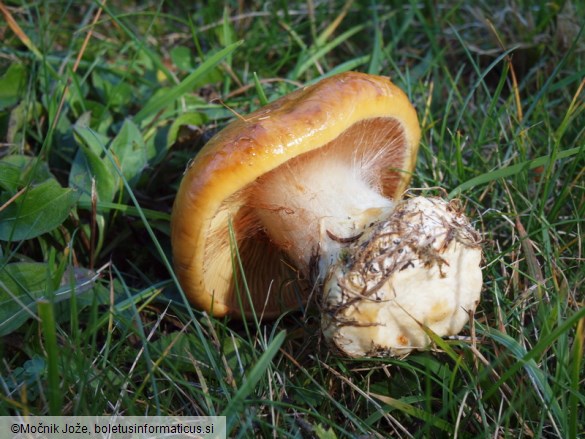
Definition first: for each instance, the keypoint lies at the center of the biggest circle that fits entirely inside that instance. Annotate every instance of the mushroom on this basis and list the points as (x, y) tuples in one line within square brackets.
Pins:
[(287, 193)]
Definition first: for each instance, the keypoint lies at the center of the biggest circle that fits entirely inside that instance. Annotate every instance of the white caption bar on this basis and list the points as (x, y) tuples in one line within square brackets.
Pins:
[(112, 427)]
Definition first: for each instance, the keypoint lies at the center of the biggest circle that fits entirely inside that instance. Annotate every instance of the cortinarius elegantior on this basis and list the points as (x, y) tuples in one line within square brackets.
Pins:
[(307, 189)]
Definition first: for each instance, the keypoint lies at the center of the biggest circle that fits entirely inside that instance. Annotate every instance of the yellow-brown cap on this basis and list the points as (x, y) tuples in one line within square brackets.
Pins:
[(214, 197)]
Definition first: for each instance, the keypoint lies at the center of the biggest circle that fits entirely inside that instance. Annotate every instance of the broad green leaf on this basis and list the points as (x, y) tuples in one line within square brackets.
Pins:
[(322, 433), (77, 94), (64, 146), (12, 84), (157, 145), (84, 135), (22, 284), (120, 95), (237, 354), (88, 164), (181, 129), (15, 172), (187, 119), (9, 176), (129, 149), (182, 57), (38, 210), (20, 116), (30, 374), (101, 118), (101, 86), (112, 90)]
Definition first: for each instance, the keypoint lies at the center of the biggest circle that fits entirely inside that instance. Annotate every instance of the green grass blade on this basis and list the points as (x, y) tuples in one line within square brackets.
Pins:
[(375, 65), (509, 171), (311, 57), (236, 405), (576, 384), (526, 359), (186, 85), (409, 409), (105, 207), (259, 90), (167, 264), (49, 330)]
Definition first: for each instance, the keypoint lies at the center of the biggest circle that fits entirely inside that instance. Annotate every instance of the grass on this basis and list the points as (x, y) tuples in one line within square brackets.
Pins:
[(91, 319)]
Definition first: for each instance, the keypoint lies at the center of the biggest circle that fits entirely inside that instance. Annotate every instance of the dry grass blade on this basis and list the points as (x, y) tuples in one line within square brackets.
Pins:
[(335, 23), (515, 88), (22, 36), (13, 198)]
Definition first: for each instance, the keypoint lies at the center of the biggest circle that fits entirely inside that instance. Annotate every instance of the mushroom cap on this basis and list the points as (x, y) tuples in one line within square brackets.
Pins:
[(418, 268), (213, 213)]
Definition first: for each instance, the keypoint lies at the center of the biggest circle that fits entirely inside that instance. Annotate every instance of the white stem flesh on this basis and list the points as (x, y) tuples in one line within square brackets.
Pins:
[(317, 208)]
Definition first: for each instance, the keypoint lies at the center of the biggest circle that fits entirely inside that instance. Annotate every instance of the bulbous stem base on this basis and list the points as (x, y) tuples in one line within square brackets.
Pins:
[(415, 273)]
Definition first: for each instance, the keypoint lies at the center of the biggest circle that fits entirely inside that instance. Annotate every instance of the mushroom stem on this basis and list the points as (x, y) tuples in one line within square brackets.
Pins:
[(314, 214)]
